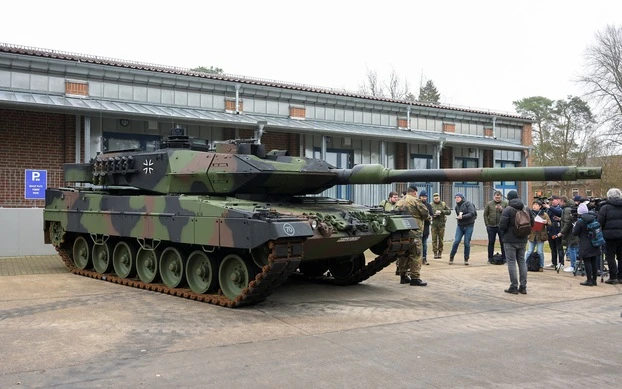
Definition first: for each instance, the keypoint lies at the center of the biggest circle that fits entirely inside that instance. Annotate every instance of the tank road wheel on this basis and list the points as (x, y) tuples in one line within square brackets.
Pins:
[(81, 253), (172, 267), (124, 260), (147, 265), (200, 272), (234, 275), (342, 268), (102, 260), (57, 234)]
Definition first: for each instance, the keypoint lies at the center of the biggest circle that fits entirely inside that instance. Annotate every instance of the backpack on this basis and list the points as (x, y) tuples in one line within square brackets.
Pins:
[(522, 223), (497, 259), (533, 262), (595, 233)]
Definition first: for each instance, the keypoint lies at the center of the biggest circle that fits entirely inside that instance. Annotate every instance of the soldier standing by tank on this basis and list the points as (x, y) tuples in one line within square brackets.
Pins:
[(440, 210), (492, 216), (411, 204), (389, 203), (423, 196)]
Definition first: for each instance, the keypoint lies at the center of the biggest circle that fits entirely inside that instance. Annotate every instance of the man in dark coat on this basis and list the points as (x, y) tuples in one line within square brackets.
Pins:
[(610, 219), (554, 210), (514, 245), (466, 215)]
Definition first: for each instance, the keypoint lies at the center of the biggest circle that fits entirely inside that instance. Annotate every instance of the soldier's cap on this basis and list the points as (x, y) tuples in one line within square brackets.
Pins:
[(412, 188), (436, 195), (423, 193)]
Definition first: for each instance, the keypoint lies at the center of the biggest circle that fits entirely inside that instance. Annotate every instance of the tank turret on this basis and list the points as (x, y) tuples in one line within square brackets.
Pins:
[(184, 166)]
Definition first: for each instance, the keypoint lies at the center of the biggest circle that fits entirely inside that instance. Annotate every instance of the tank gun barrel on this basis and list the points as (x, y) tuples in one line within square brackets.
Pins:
[(366, 174)]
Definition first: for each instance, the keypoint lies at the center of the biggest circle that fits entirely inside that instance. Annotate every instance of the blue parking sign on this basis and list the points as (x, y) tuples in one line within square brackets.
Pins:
[(36, 184)]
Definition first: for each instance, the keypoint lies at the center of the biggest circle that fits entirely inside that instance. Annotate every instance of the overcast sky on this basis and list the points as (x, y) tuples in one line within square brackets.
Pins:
[(480, 54)]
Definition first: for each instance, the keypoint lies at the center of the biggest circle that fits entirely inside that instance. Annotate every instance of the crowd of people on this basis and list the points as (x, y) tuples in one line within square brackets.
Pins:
[(567, 225)]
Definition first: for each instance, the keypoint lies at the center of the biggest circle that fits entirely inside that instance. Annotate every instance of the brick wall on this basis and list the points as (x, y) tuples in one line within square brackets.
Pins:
[(401, 159), (32, 140)]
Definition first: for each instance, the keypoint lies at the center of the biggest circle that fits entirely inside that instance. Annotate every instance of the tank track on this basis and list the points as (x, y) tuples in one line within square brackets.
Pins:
[(398, 243), (271, 276)]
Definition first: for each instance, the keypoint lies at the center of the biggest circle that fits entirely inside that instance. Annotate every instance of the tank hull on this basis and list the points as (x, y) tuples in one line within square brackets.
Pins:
[(324, 237)]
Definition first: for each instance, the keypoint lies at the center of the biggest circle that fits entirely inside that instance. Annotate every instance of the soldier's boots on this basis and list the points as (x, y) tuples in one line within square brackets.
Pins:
[(404, 279), (417, 282)]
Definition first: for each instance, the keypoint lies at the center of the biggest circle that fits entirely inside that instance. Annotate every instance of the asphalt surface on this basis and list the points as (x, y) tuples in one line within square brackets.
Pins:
[(462, 330)]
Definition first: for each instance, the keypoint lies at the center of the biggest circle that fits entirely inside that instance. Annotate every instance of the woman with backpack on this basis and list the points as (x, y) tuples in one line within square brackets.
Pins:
[(587, 251), (538, 234)]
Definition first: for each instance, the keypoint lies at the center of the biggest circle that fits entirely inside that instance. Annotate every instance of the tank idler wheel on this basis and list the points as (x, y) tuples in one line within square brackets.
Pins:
[(124, 260), (200, 272), (172, 267), (234, 275), (102, 260), (342, 268), (147, 265), (81, 253)]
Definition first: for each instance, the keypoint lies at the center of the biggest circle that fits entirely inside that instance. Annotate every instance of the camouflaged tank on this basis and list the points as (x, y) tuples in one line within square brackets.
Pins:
[(227, 226)]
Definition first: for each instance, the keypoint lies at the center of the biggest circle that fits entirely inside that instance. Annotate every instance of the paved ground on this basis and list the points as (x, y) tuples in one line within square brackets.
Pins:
[(460, 331)]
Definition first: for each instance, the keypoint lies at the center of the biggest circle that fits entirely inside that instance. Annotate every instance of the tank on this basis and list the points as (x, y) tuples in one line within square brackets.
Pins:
[(230, 224)]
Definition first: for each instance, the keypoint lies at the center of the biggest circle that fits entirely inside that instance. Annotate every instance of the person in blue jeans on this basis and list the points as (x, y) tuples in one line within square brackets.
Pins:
[(538, 235), (466, 215)]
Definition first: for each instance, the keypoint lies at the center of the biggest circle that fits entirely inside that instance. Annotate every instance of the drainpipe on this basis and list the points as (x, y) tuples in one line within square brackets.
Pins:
[(237, 99), (494, 127), (78, 139), (323, 150), (408, 117), (87, 139), (439, 149)]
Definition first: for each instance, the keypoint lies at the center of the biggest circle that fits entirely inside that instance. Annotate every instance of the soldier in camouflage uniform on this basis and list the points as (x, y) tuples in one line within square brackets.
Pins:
[(440, 210), (418, 210)]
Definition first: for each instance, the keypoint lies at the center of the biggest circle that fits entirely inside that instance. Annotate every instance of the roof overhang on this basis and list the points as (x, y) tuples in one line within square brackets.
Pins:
[(97, 107)]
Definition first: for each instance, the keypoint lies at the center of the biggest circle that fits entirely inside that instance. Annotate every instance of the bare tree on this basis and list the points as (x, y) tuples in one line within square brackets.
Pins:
[(603, 80), (373, 86), (393, 88)]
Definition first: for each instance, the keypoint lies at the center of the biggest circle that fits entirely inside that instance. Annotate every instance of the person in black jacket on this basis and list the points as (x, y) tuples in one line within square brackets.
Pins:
[(588, 252), (554, 210), (514, 245), (610, 219), (466, 215)]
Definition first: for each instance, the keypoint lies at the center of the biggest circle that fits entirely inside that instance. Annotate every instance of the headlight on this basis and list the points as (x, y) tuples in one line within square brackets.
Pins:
[(383, 221), (313, 224)]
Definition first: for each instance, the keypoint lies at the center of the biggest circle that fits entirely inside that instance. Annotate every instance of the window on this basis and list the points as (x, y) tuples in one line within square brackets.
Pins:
[(341, 159), (588, 193), (506, 185), (463, 163), (122, 141), (422, 162)]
